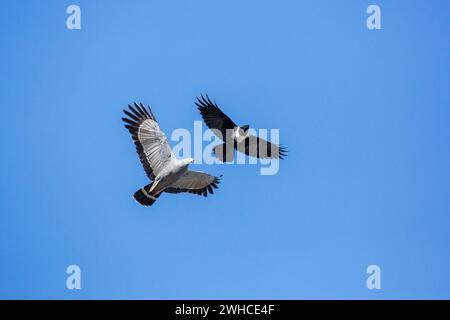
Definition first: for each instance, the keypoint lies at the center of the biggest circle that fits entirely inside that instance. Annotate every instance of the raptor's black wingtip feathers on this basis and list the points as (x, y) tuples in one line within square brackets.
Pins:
[(208, 189), (138, 112)]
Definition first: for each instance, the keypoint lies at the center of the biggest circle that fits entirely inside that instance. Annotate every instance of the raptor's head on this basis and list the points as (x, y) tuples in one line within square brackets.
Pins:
[(188, 161)]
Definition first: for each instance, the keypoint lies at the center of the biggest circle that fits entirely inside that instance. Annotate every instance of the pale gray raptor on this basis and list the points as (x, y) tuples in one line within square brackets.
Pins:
[(168, 173)]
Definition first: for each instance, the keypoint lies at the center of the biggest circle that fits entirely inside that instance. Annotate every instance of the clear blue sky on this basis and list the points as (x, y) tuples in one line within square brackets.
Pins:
[(365, 115)]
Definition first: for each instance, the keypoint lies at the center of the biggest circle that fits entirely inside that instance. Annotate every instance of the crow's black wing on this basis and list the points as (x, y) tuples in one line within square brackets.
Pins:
[(260, 148), (214, 118)]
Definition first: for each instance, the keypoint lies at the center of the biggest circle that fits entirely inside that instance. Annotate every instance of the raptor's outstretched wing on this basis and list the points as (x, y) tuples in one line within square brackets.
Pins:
[(151, 142), (195, 182)]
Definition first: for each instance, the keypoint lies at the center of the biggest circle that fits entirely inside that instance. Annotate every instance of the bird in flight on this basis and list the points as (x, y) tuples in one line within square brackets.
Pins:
[(235, 137), (166, 172)]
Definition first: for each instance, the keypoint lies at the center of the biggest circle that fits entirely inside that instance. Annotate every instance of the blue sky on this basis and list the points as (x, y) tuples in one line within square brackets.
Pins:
[(365, 115)]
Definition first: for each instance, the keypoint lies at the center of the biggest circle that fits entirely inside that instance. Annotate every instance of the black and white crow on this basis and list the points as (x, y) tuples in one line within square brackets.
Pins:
[(235, 137)]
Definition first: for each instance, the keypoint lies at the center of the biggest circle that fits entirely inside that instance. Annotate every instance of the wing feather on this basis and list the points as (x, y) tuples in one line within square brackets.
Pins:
[(196, 182), (214, 118), (151, 142), (260, 148)]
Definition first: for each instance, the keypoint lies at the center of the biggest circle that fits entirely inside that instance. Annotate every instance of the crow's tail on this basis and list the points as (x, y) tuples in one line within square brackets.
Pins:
[(224, 152)]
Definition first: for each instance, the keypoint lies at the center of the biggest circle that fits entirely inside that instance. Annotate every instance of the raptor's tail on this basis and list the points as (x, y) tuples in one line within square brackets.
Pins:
[(145, 197)]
